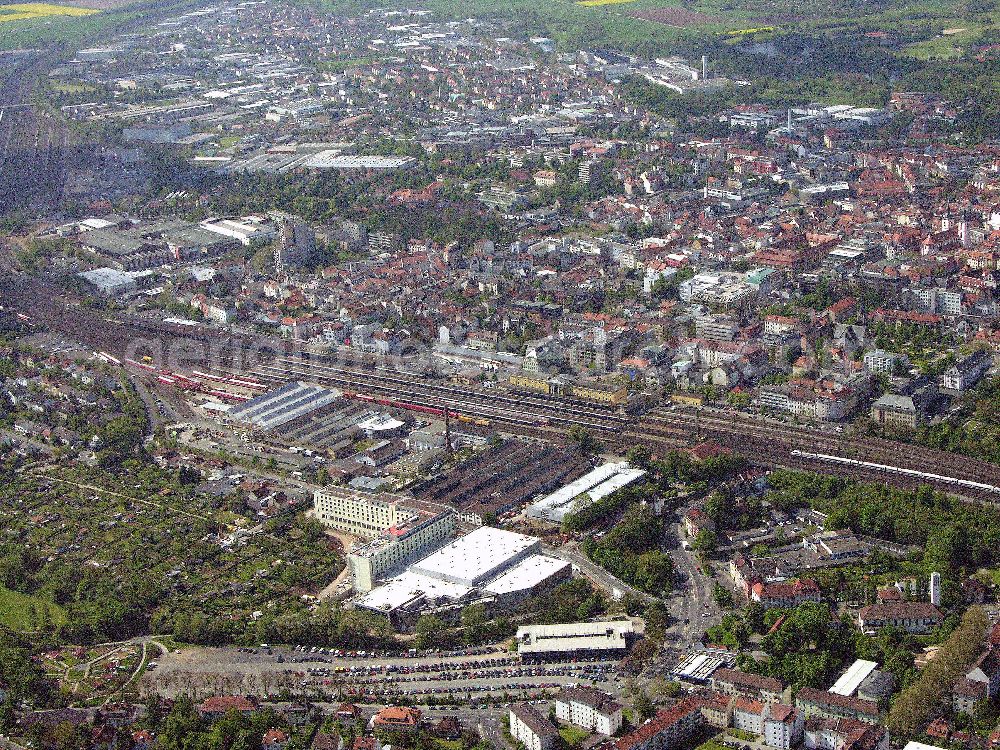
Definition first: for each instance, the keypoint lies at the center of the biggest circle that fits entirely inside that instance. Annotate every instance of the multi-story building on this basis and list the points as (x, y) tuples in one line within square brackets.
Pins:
[(979, 684), (844, 734), (362, 514), (913, 617), (881, 362), (968, 371), (589, 708), (530, 728), (782, 726), (739, 684), (397, 546), (296, 245), (748, 715), (814, 703), (670, 728), (716, 328), (785, 594), (395, 533)]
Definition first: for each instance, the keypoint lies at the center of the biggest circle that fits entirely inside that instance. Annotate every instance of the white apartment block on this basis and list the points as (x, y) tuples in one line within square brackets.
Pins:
[(590, 709), (783, 726), (748, 716), (881, 362), (531, 729)]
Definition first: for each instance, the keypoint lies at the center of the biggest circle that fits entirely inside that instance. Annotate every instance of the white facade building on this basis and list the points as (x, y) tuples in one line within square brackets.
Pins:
[(590, 709), (530, 728)]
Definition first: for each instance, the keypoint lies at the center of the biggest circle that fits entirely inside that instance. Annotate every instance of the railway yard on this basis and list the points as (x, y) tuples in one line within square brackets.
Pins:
[(768, 442)]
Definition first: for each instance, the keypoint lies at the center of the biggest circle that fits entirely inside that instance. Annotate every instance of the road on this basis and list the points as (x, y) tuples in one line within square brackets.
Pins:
[(693, 607), (614, 586)]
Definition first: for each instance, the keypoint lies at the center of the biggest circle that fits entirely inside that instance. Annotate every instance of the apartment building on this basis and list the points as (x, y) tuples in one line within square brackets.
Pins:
[(672, 727), (913, 617), (739, 684), (814, 703), (590, 709), (531, 729)]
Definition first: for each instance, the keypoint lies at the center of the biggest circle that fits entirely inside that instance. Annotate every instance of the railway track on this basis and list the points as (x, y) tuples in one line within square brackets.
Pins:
[(907, 456), (765, 443)]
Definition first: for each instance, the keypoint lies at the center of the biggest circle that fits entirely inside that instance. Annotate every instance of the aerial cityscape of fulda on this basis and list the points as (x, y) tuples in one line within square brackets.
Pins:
[(500, 375)]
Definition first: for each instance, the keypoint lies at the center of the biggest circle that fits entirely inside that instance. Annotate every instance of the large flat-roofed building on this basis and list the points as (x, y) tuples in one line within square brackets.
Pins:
[(111, 282), (591, 487), (607, 639), (478, 556), (487, 565), (250, 230), (527, 577)]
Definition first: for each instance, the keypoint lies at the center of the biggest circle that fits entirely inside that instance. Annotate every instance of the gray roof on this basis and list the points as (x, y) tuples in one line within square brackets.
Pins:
[(534, 720)]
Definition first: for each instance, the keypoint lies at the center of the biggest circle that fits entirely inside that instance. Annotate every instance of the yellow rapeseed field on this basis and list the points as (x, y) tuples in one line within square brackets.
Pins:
[(24, 11)]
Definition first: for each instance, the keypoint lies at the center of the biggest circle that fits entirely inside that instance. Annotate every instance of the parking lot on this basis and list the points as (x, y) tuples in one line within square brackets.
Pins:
[(458, 677)]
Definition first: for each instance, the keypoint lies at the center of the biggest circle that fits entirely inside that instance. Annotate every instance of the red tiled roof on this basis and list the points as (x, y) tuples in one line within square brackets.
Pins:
[(662, 721)]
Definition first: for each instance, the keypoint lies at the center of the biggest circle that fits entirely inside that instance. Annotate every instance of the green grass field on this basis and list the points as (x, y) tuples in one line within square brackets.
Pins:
[(573, 736), (17, 610)]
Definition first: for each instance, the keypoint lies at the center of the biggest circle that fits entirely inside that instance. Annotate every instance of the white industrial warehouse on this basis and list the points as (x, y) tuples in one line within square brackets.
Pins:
[(487, 564), (589, 488), (598, 640)]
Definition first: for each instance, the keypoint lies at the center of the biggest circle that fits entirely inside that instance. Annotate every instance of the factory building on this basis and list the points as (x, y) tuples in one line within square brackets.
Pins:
[(488, 565), (359, 513), (282, 405), (591, 487), (397, 545)]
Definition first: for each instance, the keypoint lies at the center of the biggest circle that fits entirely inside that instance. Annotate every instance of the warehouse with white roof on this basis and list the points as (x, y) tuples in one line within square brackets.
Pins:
[(589, 488), (851, 680), (290, 401), (478, 556), (487, 565)]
